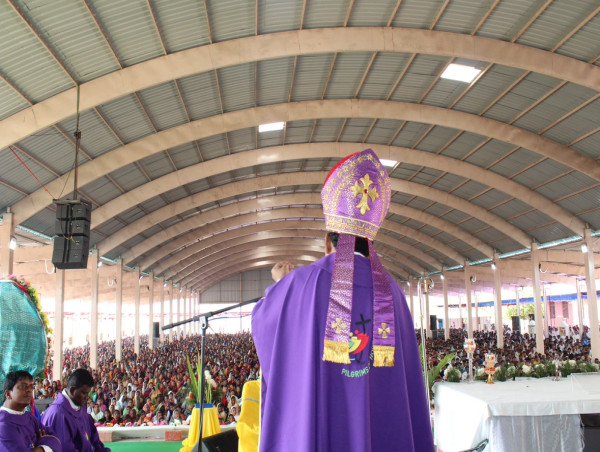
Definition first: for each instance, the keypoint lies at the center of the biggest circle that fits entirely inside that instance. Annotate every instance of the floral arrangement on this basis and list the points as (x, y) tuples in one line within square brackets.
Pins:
[(453, 375), (540, 370), (33, 294), (196, 383)]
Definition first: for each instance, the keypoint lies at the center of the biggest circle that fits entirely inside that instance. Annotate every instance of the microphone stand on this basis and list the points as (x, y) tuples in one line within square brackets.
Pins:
[(424, 287), (203, 318)]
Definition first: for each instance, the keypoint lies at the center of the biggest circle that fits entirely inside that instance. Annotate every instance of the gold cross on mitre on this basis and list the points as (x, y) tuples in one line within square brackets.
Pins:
[(384, 330), (366, 191)]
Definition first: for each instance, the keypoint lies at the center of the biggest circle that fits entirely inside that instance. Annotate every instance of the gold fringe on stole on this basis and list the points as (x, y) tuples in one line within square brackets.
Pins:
[(336, 352), (384, 356)]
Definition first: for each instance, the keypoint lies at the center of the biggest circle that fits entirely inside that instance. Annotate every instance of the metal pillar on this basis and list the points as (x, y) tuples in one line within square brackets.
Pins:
[(59, 303), (119, 312), (469, 306), (539, 321), (590, 279), (498, 303), (93, 269)]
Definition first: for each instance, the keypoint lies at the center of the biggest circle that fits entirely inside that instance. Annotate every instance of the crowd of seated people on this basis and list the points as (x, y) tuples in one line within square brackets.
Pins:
[(518, 347), (153, 388)]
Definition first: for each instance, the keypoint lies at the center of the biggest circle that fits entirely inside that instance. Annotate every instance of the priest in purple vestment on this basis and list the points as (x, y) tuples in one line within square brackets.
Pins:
[(21, 431), (69, 418), (335, 339)]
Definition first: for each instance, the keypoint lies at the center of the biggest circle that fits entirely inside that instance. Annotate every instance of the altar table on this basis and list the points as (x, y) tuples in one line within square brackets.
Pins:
[(524, 415)]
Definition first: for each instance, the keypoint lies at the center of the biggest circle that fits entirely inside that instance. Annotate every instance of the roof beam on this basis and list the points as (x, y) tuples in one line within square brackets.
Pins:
[(206, 279), (216, 221), (175, 136), (285, 44), (261, 183), (298, 228)]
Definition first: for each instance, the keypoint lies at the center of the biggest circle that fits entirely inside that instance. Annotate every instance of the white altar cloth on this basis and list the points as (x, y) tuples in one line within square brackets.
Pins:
[(515, 414)]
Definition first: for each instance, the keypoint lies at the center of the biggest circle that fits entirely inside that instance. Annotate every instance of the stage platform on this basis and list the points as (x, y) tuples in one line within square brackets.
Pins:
[(145, 446)]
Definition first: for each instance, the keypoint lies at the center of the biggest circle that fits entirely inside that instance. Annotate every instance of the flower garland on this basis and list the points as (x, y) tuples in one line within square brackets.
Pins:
[(33, 294), (540, 370)]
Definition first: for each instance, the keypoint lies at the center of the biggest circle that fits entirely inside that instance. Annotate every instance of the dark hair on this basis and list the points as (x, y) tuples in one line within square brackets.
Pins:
[(12, 378), (79, 378), (360, 245)]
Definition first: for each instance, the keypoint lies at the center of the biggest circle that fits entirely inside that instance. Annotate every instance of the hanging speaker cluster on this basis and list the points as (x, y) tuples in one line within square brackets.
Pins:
[(72, 234)]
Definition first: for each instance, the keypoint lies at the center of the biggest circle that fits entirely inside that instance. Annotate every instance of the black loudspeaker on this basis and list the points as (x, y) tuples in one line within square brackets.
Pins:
[(156, 329), (72, 234), (223, 442), (433, 322), (438, 334), (516, 324)]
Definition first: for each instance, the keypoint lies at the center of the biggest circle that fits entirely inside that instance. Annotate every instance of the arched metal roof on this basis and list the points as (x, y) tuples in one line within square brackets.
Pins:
[(171, 93)]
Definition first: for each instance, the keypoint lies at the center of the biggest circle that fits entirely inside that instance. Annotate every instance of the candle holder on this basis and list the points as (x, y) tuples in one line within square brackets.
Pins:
[(470, 346), (557, 371), (490, 367)]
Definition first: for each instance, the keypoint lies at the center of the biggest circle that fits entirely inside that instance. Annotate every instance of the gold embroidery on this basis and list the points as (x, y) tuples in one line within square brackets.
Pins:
[(383, 356), (366, 191), (338, 325), (384, 330)]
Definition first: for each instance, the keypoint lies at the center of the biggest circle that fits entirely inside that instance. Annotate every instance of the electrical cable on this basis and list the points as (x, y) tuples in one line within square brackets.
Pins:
[(34, 176)]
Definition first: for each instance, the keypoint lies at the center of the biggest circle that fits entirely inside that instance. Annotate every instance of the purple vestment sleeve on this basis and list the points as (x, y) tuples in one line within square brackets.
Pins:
[(311, 405), (19, 433), (75, 429)]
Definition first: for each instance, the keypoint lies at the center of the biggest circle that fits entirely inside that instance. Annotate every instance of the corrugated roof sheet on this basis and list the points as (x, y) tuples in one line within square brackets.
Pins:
[(127, 118), (508, 18), (129, 177), (557, 20), (230, 19), (135, 31), (462, 16), (417, 13), (12, 101), (182, 24), (164, 106), (274, 80), (25, 62), (278, 16), (201, 95), (311, 75), (131, 29), (383, 131), (237, 87), (347, 73), (371, 13), (325, 14), (584, 44)]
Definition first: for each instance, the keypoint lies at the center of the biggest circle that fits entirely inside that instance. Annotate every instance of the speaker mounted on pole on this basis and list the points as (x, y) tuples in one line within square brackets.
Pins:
[(72, 234)]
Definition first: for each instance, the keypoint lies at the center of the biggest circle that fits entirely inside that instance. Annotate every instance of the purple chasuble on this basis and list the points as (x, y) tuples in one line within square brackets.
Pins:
[(311, 405), (19, 433), (75, 429)]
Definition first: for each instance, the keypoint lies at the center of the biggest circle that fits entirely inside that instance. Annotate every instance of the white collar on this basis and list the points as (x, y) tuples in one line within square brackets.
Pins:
[(75, 407), (13, 411)]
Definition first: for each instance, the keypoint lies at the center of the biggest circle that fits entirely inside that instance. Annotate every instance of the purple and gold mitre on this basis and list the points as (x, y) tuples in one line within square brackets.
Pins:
[(356, 195)]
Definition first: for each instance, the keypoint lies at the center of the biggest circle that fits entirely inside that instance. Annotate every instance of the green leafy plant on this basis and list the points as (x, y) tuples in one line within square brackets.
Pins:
[(454, 375), (433, 373), (501, 374), (195, 382)]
